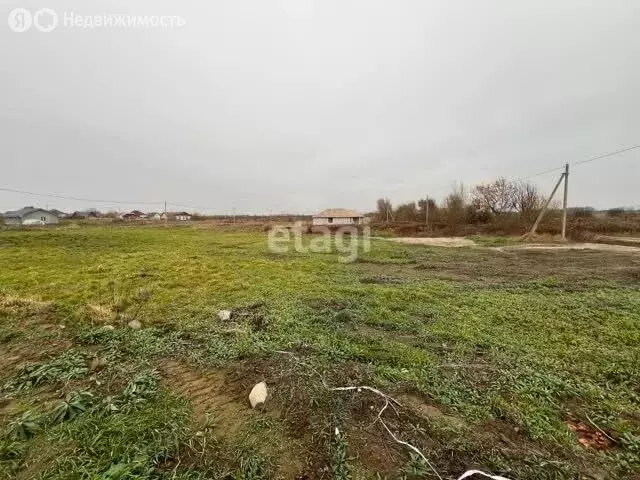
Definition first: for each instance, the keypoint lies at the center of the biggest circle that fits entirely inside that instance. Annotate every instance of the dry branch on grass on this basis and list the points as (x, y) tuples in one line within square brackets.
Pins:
[(389, 401)]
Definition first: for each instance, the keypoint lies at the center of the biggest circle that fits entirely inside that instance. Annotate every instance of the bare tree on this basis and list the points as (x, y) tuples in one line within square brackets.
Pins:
[(406, 212), (384, 211), (527, 199), (456, 205), (495, 197)]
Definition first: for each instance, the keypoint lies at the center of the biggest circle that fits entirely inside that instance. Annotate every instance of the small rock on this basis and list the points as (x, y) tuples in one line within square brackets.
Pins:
[(135, 324), (62, 327), (108, 327), (224, 315), (258, 394), (97, 363)]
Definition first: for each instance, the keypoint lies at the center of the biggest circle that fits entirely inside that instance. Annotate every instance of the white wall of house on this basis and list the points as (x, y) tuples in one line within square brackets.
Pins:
[(336, 220), (46, 217), (177, 217)]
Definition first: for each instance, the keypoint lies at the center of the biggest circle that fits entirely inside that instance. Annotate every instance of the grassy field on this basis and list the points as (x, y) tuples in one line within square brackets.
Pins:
[(522, 363)]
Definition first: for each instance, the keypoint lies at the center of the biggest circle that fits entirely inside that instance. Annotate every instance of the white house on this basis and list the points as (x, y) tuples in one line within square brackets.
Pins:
[(30, 216), (338, 216), (180, 216)]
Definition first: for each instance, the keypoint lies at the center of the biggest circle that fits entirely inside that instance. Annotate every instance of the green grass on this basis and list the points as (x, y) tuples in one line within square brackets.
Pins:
[(510, 347)]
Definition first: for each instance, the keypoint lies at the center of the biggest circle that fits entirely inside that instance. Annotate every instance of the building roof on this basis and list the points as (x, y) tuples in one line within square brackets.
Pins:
[(25, 211), (338, 213), (84, 214)]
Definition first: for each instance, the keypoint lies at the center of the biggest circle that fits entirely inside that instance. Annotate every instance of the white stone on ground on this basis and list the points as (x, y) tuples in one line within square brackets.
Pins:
[(224, 315), (258, 394), (135, 324)]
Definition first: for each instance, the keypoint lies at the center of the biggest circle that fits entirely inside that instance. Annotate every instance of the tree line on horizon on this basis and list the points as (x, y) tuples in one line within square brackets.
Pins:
[(483, 203)]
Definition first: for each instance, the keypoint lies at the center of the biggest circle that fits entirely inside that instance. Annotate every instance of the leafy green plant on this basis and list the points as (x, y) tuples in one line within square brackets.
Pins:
[(67, 366), (415, 467), (339, 457), (24, 427), (137, 469), (629, 459), (74, 404), (143, 387), (11, 456), (109, 405), (253, 467)]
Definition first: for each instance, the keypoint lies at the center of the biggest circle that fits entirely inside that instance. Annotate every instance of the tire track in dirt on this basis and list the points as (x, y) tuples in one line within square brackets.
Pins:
[(213, 393), (208, 396)]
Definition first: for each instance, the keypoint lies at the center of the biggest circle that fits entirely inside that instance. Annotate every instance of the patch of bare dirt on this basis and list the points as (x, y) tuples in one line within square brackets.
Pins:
[(7, 408), (208, 395), (223, 395), (371, 449), (623, 240), (505, 265), (434, 241), (15, 355), (99, 313), (32, 313), (426, 409)]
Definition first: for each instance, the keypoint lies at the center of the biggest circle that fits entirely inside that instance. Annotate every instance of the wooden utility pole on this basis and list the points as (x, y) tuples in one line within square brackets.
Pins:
[(544, 209), (564, 202)]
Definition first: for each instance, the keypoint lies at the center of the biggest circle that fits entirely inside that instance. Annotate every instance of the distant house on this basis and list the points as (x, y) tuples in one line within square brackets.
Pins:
[(30, 216), (84, 215), (132, 215), (338, 216), (58, 213), (180, 216), (153, 216)]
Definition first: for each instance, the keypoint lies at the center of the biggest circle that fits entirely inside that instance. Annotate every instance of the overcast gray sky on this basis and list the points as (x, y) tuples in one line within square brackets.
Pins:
[(300, 105)]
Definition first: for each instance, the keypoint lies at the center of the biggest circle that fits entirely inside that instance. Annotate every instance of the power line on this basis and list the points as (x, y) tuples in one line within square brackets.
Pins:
[(610, 154), (95, 200), (586, 160), (542, 173), (65, 197)]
